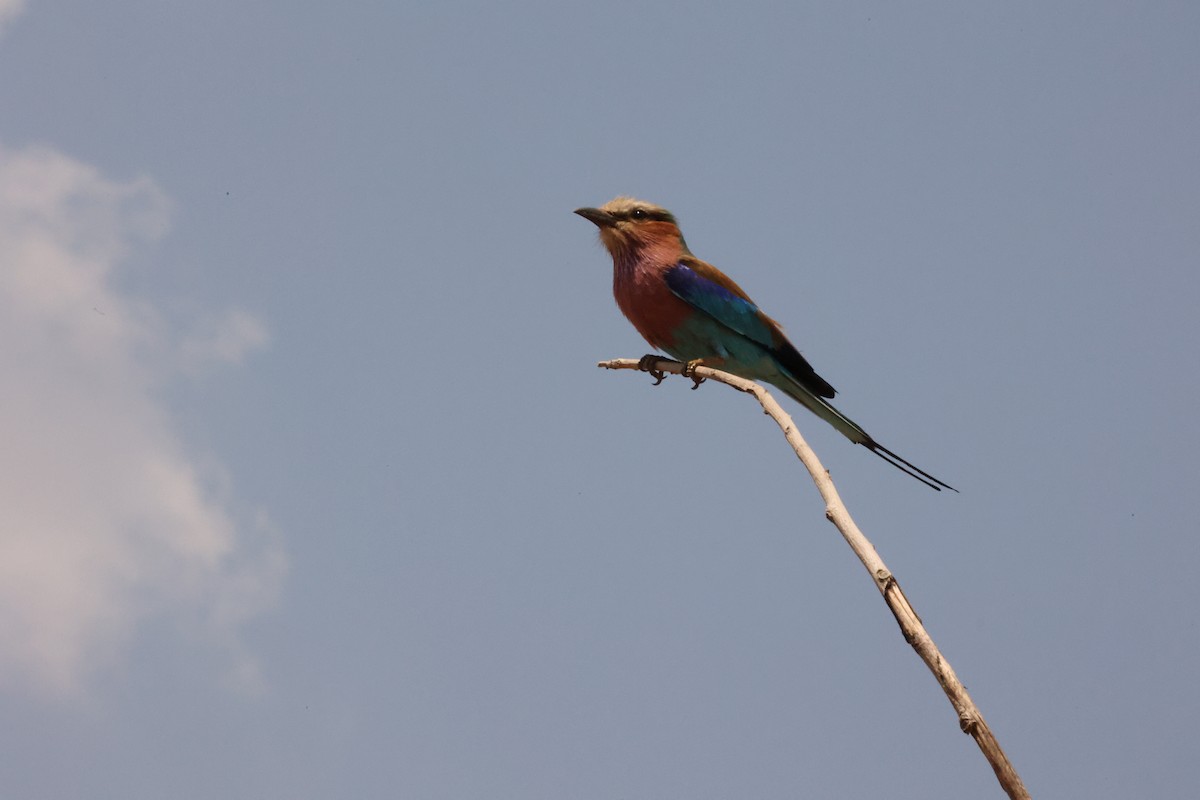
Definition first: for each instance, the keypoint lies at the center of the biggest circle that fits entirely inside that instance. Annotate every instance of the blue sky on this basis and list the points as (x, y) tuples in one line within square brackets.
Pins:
[(310, 486)]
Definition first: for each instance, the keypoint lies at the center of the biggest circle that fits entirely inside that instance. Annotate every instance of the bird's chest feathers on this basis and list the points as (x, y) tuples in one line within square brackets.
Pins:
[(645, 299)]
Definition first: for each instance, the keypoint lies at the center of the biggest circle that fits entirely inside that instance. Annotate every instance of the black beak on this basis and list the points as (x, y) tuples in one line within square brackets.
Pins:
[(602, 219)]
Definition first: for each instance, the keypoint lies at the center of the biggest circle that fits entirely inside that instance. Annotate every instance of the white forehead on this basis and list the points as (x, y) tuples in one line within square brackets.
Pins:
[(620, 205)]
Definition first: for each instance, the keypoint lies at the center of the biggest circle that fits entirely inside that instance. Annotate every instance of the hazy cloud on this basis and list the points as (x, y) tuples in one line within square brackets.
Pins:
[(222, 340), (8, 10), (106, 521)]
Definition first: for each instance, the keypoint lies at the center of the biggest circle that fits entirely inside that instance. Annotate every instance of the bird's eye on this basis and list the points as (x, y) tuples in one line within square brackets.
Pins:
[(638, 213)]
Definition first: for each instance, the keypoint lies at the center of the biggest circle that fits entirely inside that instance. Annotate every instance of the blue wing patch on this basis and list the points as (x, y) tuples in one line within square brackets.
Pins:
[(734, 312), (743, 317)]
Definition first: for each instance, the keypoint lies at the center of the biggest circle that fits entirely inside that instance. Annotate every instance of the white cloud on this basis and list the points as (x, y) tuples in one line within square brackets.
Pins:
[(106, 521), (10, 9), (222, 340)]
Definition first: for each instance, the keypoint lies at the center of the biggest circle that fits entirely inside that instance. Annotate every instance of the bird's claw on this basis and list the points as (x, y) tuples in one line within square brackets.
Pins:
[(646, 364)]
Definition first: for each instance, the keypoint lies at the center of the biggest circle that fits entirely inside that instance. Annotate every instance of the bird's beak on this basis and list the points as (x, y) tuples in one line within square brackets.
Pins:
[(602, 219)]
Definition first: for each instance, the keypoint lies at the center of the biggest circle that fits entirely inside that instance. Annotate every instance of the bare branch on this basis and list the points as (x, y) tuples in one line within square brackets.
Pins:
[(970, 720)]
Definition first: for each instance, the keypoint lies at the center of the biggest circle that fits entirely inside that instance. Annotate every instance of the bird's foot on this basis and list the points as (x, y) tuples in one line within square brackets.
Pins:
[(646, 364), (689, 371)]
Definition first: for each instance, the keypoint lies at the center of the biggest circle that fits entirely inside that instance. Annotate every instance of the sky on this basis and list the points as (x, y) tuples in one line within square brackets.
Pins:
[(310, 486)]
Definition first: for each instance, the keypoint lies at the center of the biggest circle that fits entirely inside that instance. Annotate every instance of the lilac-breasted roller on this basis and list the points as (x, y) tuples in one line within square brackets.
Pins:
[(697, 314)]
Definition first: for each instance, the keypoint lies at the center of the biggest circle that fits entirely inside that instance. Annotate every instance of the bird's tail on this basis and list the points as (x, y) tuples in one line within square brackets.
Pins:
[(854, 432)]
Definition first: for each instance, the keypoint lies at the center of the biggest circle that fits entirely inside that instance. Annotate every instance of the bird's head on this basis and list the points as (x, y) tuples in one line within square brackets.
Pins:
[(629, 227)]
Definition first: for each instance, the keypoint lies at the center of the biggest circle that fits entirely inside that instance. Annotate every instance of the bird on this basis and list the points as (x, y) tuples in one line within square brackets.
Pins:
[(694, 312)]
